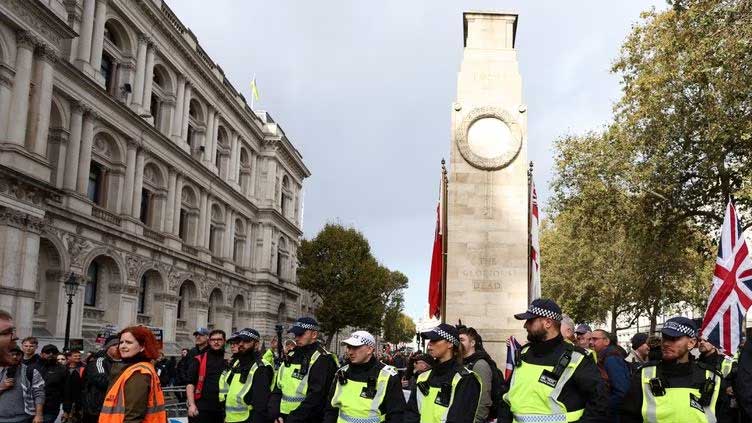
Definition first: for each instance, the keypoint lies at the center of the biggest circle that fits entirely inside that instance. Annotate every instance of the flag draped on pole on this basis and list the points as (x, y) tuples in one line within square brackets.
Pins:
[(535, 282), (731, 294), (512, 347), (254, 91), (436, 280)]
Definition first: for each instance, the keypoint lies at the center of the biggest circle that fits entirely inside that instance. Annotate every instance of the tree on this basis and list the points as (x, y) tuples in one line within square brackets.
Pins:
[(355, 290), (685, 109), (398, 327)]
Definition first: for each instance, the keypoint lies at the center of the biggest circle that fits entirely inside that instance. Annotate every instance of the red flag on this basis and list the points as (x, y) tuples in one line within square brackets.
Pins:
[(434, 282)]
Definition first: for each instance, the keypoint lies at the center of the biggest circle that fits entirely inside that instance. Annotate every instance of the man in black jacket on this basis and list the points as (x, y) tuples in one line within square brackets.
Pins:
[(582, 391), (299, 365), (363, 369), (54, 375), (202, 389), (96, 379)]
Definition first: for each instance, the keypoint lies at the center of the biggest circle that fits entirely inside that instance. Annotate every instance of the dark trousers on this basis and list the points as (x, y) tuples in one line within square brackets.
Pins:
[(90, 418)]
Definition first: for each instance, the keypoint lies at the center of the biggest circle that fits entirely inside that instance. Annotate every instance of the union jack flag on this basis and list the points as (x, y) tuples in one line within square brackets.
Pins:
[(512, 347), (535, 271), (731, 294)]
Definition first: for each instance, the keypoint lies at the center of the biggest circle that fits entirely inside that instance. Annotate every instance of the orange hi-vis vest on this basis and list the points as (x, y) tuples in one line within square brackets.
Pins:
[(113, 408)]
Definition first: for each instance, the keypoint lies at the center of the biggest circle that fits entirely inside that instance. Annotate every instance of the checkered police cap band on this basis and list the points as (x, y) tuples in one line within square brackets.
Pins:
[(680, 328), (248, 334), (364, 339), (306, 326), (544, 313), (446, 335)]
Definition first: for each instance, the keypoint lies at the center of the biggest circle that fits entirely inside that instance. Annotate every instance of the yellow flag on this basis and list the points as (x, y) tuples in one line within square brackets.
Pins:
[(254, 89)]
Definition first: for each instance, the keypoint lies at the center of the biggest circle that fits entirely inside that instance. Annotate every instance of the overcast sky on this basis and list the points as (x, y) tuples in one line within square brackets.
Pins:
[(364, 90)]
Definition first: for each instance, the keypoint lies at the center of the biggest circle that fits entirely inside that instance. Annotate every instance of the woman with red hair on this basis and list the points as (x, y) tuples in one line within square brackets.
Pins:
[(135, 395)]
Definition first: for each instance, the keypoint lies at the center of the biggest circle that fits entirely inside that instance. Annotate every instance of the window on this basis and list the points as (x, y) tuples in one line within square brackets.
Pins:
[(182, 225), (279, 263), (107, 69), (142, 295), (90, 292), (235, 251), (94, 192), (181, 295), (145, 206), (154, 110), (217, 159), (212, 243), (189, 139)]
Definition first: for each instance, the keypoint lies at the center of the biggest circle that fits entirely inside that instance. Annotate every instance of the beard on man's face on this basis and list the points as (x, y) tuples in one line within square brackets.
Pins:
[(536, 335)]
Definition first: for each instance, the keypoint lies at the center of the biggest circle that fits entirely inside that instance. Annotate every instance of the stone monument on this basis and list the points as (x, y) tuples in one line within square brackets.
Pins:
[(487, 195)]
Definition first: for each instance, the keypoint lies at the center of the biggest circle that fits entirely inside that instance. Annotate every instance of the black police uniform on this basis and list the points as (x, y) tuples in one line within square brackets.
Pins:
[(320, 377), (393, 405)]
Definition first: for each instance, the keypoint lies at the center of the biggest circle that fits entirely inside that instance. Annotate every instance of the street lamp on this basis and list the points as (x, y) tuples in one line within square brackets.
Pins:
[(71, 287)]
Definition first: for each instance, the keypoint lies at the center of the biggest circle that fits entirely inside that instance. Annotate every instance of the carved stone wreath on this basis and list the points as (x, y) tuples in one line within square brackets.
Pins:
[(495, 163)]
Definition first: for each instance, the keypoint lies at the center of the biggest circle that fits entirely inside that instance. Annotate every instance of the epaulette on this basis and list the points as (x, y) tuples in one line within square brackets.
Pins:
[(391, 370), (464, 371)]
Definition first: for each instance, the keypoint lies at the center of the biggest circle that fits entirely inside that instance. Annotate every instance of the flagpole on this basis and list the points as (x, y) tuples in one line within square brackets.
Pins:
[(529, 233), (444, 238)]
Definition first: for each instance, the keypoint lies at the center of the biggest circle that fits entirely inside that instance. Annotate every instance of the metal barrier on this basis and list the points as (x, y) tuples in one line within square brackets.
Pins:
[(175, 404)]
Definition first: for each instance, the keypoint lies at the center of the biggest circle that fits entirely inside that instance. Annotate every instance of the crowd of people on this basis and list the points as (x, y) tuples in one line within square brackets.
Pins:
[(565, 373)]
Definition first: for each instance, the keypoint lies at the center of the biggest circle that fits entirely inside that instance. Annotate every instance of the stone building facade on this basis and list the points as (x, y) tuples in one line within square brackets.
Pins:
[(128, 159)]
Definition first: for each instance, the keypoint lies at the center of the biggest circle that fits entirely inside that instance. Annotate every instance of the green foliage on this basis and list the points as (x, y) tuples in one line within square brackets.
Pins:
[(355, 290)]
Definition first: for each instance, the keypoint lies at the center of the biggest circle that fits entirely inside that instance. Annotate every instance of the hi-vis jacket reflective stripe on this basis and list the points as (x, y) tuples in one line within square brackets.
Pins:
[(531, 400), (429, 410), (236, 409), (113, 409), (678, 404), (293, 385), (356, 408)]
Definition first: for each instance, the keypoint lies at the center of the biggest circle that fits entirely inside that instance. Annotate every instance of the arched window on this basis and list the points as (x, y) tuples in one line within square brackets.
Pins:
[(162, 91), (96, 184), (281, 258), (142, 294), (216, 230), (106, 173), (285, 197), (245, 171), (153, 196), (92, 279), (116, 48)]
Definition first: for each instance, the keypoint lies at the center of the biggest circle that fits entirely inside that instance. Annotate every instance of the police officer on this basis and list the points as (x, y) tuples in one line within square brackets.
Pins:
[(552, 380), (365, 390), (304, 378), (677, 388), (245, 387), (449, 392)]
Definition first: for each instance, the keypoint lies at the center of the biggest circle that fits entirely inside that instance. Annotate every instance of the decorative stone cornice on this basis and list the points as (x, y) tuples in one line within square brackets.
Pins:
[(25, 39), (37, 15), (22, 191), (46, 53), (20, 220), (116, 288), (144, 38), (166, 297)]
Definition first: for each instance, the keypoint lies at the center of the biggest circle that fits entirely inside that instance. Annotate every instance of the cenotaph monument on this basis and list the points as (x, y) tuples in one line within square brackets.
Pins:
[(487, 205)]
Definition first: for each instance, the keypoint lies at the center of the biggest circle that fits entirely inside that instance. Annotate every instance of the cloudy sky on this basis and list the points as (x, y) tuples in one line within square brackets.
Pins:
[(364, 90)]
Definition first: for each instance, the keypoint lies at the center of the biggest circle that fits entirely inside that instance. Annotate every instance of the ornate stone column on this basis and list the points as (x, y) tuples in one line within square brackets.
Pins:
[(74, 146), (177, 117), (232, 168), (57, 140), (138, 183), (215, 140), (209, 139), (130, 176), (252, 182), (200, 221), (6, 93), (206, 222), (41, 100), (84, 159), (186, 111), (138, 82), (178, 203), (167, 111), (229, 234), (100, 16), (148, 78), (85, 35), (19, 106), (247, 260), (168, 213)]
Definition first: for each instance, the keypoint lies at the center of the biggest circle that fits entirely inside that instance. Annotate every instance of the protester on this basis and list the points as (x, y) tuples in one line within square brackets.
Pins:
[(710, 356), (270, 355), (202, 389), (583, 333), (638, 356), (135, 395), (21, 386), (97, 377), (61, 360), (54, 375), (542, 386), (73, 386), (201, 339), (477, 360), (676, 388), (743, 382), (305, 377), (612, 367), (567, 329), (365, 389), (29, 347), (421, 363), (245, 387), (449, 391), (289, 346)]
